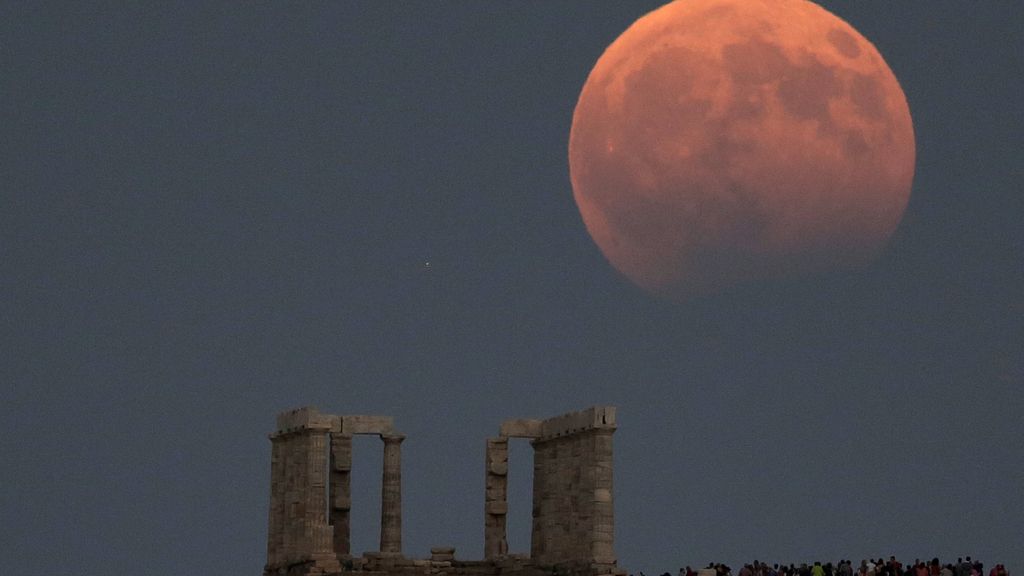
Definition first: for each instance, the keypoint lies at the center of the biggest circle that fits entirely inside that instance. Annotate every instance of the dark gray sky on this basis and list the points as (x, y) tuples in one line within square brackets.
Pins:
[(211, 213)]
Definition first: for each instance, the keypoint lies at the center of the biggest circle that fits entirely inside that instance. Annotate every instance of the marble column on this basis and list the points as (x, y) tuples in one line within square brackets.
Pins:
[(318, 535), (391, 496), (496, 498)]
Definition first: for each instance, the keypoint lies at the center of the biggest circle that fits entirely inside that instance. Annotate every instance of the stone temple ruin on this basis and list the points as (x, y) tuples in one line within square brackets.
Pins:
[(310, 499)]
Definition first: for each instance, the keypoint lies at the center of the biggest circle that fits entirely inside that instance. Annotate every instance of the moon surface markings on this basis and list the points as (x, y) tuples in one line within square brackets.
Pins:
[(844, 42), (742, 148)]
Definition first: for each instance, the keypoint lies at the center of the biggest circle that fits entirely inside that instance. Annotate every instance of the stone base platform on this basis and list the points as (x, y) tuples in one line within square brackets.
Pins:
[(391, 565)]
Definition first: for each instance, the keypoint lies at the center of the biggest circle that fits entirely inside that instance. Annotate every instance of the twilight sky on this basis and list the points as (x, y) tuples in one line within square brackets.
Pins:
[(212, 213)]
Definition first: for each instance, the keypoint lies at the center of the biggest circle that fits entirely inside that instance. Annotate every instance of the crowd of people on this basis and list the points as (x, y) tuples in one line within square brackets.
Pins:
[(962, 567)]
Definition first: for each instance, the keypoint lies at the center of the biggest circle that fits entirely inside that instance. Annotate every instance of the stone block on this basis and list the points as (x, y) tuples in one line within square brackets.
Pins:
[(442, 550), (521, 428), (363, 424), (498, 468)]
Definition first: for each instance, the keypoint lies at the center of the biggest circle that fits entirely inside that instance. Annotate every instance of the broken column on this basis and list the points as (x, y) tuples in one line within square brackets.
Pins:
[(496, 498), (391, 496)]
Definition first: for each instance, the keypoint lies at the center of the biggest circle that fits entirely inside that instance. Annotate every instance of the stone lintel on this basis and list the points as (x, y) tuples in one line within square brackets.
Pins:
[(363, 424), (593, 418), (521, 428)]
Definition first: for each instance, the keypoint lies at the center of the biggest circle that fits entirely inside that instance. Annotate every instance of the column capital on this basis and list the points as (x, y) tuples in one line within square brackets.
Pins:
[(392, 438)]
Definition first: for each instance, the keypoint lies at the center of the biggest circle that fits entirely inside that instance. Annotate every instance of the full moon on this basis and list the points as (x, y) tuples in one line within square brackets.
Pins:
[(726, 142)]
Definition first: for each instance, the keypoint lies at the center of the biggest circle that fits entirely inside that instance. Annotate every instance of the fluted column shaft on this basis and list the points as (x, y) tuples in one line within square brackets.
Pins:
[(391, 495), (275, 530)]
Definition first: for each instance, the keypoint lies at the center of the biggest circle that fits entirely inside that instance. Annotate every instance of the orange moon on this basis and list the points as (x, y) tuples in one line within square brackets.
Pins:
[(723, 142)]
